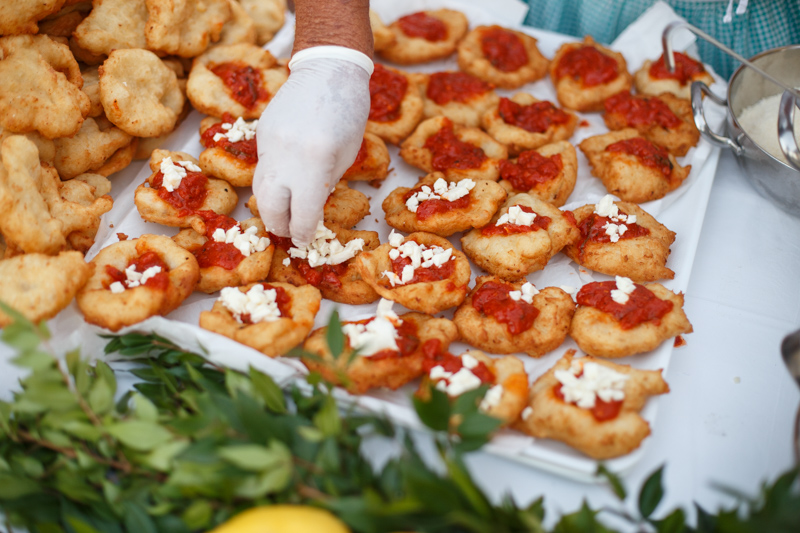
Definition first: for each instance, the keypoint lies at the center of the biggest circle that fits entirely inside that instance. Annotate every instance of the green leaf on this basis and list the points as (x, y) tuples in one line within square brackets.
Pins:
[(198, 515), (82, 430), (478, 425), (651, 493), (467, 486), (136, 519), (582, 521), (161, 457), (435, 412), (613, 480), (80, 526), (20, 337), (101, 397), (104, 372), (143, 408), (675, 522), (327, 418), (253, 457), (706, 522), (310, 433), (35, 360), (139, 434), (12, 486), (268, 390), (334, 335)]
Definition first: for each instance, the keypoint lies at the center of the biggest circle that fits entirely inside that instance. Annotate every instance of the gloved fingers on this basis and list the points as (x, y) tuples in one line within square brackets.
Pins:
[(307, 211), (274, 208)]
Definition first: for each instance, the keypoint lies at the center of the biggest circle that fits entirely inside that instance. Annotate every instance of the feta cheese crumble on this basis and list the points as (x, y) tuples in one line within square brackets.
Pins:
[(240, 130), (526, 293), (441, 191), (625, 287), (421, 257), (457, 383), (174, 172), (326, 249), (378, 334), (492, 398), (134, 278), (597, 381), (260, 303), (517, 216), (616, 227), (527, 412), (246, 242)]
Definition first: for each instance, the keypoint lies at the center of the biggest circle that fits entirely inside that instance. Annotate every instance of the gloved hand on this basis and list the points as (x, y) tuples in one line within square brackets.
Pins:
[(308, 136)]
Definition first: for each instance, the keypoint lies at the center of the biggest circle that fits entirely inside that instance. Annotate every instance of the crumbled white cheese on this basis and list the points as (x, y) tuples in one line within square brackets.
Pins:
[(441, 191), (572, 291), (117, 287), (260, 303), (240, 130), (516, 215), (456, 384), (174, 172), (420, 255), (134, 278), (616, 227), (527, 412), (597, 381), (526, 293), (492, 398), (326, 249), (247, 243), (625, 286), (469, 361), (286, 262), (378, 334)]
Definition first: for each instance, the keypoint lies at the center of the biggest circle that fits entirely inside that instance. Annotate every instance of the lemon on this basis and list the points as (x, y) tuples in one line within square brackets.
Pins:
[(283, 519)]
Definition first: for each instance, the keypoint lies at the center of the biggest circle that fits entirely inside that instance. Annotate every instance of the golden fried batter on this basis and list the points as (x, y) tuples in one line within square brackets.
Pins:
[(410, 50), (113, 25), (551, 177), (268, 15), (88, 149), (499, 67), (184, 28), (224, 164), (647, 84), (371, 163), (382, 121), (465, 107), (20, 16)]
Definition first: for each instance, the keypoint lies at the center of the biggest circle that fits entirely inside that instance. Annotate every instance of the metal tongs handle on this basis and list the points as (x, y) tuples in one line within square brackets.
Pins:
[(791, 96)]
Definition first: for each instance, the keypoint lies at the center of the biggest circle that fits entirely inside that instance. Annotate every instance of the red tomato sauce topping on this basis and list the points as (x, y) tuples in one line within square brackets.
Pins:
[(188, 197), (423, 25), (246, 151), (422, 275), (386, 92), (215, 220), (686, 68), (219, 254), (453, 364), (601, 411), (588, 64), (642, 305), (282, 299), (504, 49), (148, 259), (535, 118), (243, 81), (448, 151), (648, 154), (435, 206), (284, 243), (321, 276), (592, 228), (642, 110), (492, 299), (540, 222), (531, 169), (361, 156), (446, 87), (408, 343)]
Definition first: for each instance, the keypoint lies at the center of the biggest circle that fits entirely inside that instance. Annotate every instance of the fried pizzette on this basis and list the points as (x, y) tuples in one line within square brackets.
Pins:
[(602, 422), (435, 206), (459, 96), (231, 150), (548, 173), (631, 167), (521, 238), (501, 56), (655, 78), (372, 161), (395, 106), (425, 36)]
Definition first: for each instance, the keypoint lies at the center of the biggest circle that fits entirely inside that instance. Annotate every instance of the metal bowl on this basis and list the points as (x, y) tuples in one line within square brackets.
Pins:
[(772, 178)]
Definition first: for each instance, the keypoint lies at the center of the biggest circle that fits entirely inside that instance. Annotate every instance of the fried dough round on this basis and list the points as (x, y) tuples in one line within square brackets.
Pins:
[(515, 255), (372, 161), (85, 190), (240, 28), (91, 88), (20, 16), (554, 191), (46, 147), (600, 334), (39, 286), (119, 160), (406, 50), (113, 311), (428, 297), (646, 84), (628, 176), (382, 36), (268, 15), (414, 152), (184, 28), (409, 112), (88, 149), (552, 418), (223, 163), (574, 93), (484, 200), (113, 25), (548, 331), (467, 112), (270, 338), (62, 23), (363, 373), (74, 215), (473, 60), (641, 258)]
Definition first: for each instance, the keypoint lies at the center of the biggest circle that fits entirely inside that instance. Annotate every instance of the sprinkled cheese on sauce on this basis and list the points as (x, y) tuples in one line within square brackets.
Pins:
[(378, 334), (492, 398), (241, 130), (420, 255), (174, 172), (326, 249), (258, 303), (616, 228), (517, 216), (595, 381), (247, 243), (526, 293), (455, 384), (134, 278), (286, 262), (625, 287), (527, 412), (441, 191)]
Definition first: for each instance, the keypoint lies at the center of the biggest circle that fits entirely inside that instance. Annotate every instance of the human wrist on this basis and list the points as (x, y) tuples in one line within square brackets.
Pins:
[(333, 23)]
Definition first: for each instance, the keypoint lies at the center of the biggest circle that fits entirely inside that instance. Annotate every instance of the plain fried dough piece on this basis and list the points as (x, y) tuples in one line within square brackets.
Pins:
[(270, 338), (467, 113), (624, 175), (645, 84), (553, 418), (407, 50), (557, 190), (363, 373), (74, 216), (84, 190), (472, 60), (600, 334), (113, 311), (518, 139), (119, 160), (548, 331), (39, 286), (428, 297), (382, 36), (220, 198), (47, 149), (91, 88), (140, 94), (184, 27), (641, 258), (414, 152), (516, 255), (572, 93), (485, 198), (268, 15), (211, 96), (409, 115), (20, 16), (113, 25), (88, 149), (252, 268), (240, 28), (62, 23), (218, 162), (374, 167)]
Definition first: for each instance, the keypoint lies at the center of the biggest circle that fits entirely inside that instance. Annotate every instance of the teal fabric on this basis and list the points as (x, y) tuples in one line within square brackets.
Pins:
[(766, 23)]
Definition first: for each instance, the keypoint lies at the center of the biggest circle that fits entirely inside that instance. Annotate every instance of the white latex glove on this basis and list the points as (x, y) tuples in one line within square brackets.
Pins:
[(308, 136)]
